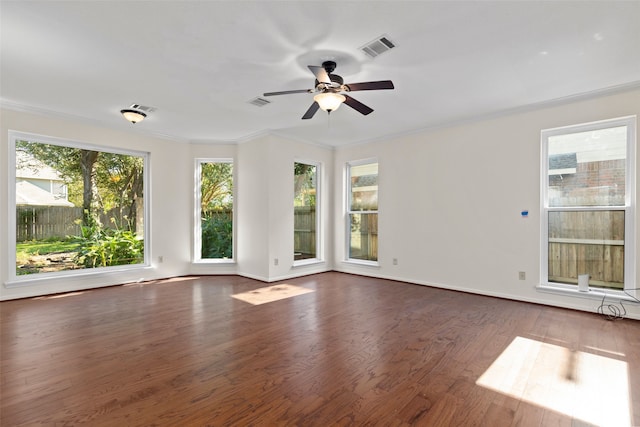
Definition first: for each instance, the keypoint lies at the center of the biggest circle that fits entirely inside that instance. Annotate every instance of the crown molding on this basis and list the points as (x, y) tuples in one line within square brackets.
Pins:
[(45, 112), (10, 105), (584, 96)]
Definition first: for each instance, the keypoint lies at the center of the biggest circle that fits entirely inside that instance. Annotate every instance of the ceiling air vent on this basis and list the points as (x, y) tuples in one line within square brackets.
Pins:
[(378, 46), (144, 108), (259, 102)]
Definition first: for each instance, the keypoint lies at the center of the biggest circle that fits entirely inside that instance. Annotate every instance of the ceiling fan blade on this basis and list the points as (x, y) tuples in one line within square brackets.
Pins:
[(287, 92), (357, 105), (320, 73), (311, 111), (382, 84)]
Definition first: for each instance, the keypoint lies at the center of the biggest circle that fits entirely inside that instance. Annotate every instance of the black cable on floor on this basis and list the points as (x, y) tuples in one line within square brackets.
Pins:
[(613, 311)]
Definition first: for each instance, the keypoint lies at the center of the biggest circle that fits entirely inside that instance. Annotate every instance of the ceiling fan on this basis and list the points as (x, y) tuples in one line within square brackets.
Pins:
[(328, 86)]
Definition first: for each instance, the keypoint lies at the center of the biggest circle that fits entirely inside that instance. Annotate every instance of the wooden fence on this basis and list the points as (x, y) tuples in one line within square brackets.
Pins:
[(364, 237), (581, 243), (304, 232), (46, 222)]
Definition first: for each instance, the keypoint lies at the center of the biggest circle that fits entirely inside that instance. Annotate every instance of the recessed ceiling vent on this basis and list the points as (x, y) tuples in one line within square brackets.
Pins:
[(378, 46), (259, 102), (144, 108)]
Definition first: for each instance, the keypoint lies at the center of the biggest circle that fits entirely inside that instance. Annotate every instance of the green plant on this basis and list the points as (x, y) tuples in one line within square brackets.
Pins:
[(104, 247), (217, 237)]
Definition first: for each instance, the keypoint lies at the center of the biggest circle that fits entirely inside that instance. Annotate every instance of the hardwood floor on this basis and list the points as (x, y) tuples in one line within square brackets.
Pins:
[(356, 351)]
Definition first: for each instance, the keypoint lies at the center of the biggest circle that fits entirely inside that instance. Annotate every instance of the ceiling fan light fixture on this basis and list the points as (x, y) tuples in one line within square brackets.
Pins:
[(134, 116), (329, 101)]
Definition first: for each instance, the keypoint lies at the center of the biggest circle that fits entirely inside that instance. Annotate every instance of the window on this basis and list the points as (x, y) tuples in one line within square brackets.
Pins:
[(588, 203), (306, 218), (77, 207), (362, 211), (214, 210)]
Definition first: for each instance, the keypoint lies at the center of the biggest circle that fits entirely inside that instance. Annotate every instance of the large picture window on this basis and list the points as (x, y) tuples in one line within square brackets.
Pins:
[(588, 201), (214, 210), (362, 211), (77, 206), (306, 218)]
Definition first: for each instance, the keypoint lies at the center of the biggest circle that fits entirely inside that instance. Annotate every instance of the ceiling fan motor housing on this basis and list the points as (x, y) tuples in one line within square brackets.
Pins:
[(329, 66)]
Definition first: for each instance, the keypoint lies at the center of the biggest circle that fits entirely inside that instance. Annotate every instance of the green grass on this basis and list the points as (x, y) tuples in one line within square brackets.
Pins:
[(40, 247)]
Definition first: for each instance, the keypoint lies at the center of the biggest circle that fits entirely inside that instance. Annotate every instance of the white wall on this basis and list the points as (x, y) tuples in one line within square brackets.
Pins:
[(253, 208), (282, 155), (265, 207), (170, 202), (450, 201)]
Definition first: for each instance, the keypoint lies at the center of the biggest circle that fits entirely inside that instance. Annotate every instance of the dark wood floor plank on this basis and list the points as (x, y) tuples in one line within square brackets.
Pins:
[(356, 351)]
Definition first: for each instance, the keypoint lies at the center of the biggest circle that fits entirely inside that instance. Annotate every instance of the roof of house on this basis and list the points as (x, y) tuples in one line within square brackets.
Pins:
[(30, 194)]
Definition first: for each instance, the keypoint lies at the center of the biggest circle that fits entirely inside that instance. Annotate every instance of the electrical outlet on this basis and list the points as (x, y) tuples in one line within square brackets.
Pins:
[(522, 275), (160, 259), (275, 261), (395, 261)]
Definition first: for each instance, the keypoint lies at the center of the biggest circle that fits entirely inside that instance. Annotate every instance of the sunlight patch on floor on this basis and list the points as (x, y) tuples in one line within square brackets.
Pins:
[(56, 296), (142, 283), (271, 293), (588, 387)]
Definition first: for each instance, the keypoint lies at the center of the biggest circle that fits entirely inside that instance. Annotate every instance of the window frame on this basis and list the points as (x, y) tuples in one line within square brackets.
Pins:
[(197, 222), (319, 258), (349, 212), (15, 280), (629, 291)]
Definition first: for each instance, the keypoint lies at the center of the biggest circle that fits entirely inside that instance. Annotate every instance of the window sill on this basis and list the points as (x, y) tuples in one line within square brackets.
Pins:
[(214, 261), (362, 263), (307, 262), (30, 280), (593, 293)]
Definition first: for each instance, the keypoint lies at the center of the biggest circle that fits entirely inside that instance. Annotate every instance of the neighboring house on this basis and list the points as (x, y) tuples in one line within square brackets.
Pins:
[(38, 184)]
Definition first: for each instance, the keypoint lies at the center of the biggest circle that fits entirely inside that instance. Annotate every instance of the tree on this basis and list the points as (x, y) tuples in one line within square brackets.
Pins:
[(89, 202), (216, 186), (121, 179), (108, 180), (303, 181)]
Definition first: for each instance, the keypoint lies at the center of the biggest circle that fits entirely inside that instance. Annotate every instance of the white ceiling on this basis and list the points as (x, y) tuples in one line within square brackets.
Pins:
[(200, 62)]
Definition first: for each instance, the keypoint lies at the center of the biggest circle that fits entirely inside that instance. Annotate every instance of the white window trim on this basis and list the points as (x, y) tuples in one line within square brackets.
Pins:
[(629, 293), (362, 262), (319, 258), (197, 223), (348, 212), (33, 279)]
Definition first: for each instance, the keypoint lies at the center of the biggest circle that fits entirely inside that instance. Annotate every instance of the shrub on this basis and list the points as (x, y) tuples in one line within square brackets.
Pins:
[(217, 237), (104, 247)]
